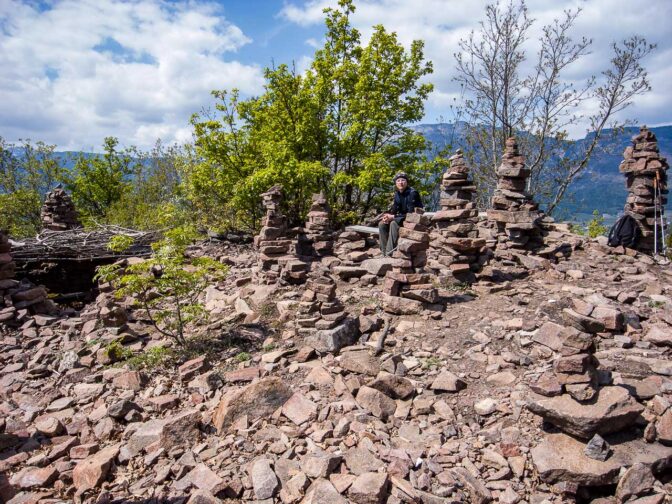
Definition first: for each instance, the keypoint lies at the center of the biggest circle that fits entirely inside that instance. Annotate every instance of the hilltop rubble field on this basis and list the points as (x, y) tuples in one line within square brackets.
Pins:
[(543, 381)]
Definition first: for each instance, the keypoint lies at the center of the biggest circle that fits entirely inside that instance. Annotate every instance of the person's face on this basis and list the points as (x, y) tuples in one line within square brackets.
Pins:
[(401, 184)]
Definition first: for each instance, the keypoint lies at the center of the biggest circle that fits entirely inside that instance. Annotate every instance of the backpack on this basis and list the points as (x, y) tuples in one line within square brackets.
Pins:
[(624, 232)]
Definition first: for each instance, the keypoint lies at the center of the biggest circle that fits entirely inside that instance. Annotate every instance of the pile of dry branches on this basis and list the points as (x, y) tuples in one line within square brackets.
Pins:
[(82, 244)]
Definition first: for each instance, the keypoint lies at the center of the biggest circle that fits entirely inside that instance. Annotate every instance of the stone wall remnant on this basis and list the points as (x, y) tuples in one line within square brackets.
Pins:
[(18, 298)]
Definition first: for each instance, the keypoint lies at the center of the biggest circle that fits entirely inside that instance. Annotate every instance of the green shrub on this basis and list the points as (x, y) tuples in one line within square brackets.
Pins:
[(168, 284), (596, 226)]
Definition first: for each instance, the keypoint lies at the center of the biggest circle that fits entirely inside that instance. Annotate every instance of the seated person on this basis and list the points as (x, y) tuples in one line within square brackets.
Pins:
[(406, 199)]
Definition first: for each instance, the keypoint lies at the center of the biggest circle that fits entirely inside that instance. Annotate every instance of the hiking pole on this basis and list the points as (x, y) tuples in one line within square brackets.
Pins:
[(660, 213), (655, 217)]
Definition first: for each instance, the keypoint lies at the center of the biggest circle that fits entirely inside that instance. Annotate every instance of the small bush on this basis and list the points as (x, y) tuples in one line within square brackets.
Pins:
[(115, 351), (596, 226), (242, 357), (151, 358)]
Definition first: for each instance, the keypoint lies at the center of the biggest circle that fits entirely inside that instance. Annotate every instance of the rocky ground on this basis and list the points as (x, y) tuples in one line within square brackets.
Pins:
[(462, 403)]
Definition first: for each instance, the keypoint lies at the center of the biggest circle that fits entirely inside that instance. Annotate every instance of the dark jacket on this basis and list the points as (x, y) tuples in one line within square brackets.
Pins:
[(405, 202)]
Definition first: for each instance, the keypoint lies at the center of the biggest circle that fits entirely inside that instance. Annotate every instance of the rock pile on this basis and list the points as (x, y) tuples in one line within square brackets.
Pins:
[(318, 227), (18, 299), (7, 270), (353, 248), (575, 371), (277, 257), (646, 181), (434, 414), (513, 211), (455, 245), (597, 417), (408, 279), (322, 317), (58, 212)]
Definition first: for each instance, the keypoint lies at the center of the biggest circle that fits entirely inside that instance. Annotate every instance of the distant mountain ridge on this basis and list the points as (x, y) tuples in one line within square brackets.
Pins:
[(601, 187)]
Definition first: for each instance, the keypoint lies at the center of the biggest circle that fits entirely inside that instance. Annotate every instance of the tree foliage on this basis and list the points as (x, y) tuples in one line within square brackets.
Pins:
[(340, 127), (98, 182), (168, 285), (27, 172), (154, 198), (538, 107)]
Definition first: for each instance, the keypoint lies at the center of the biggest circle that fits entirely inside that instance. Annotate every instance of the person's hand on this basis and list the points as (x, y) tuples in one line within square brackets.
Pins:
[(387, 218)]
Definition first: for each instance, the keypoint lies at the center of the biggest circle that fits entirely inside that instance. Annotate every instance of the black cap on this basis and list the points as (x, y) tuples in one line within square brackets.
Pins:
[(400, 175)]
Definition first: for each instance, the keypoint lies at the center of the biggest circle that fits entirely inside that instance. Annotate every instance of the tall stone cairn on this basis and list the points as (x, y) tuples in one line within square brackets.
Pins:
[(645, 174), (514, 212), (58, 212), (318, 227), (408, 278), (455, 245), (277, 258), (272, 240)]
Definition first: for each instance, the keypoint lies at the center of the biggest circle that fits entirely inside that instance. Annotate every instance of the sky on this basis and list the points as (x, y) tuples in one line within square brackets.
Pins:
[(76, 71)]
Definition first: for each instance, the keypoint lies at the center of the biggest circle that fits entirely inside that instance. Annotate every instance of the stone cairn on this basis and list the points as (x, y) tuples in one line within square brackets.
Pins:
[(277, 256), (455, 244), (643, 167), (17, 299), (318, 227), (514, 213), (322, 317), (408, 278), (575, 397), (58, 212), (574, 371)]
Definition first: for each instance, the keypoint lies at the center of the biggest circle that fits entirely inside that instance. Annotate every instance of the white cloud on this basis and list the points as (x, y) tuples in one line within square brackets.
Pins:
[(441, 24), (308, 14), (86, 69)]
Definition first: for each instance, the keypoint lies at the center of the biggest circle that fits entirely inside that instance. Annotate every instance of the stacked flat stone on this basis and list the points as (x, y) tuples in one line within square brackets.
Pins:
[(513, 211), (7, 270), (642, 165), (352, 247), (319, 307), (17, 297), (574, 371), (58, 212), (272, 240), (277, 255), (318, 227), (407, 279), (454, 240), (322, 318)]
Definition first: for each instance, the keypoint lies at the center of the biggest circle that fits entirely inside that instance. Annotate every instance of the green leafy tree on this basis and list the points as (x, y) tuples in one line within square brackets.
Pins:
[(342, 127), (153, 198), (98, 182), (167, 285), (27, 172)]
